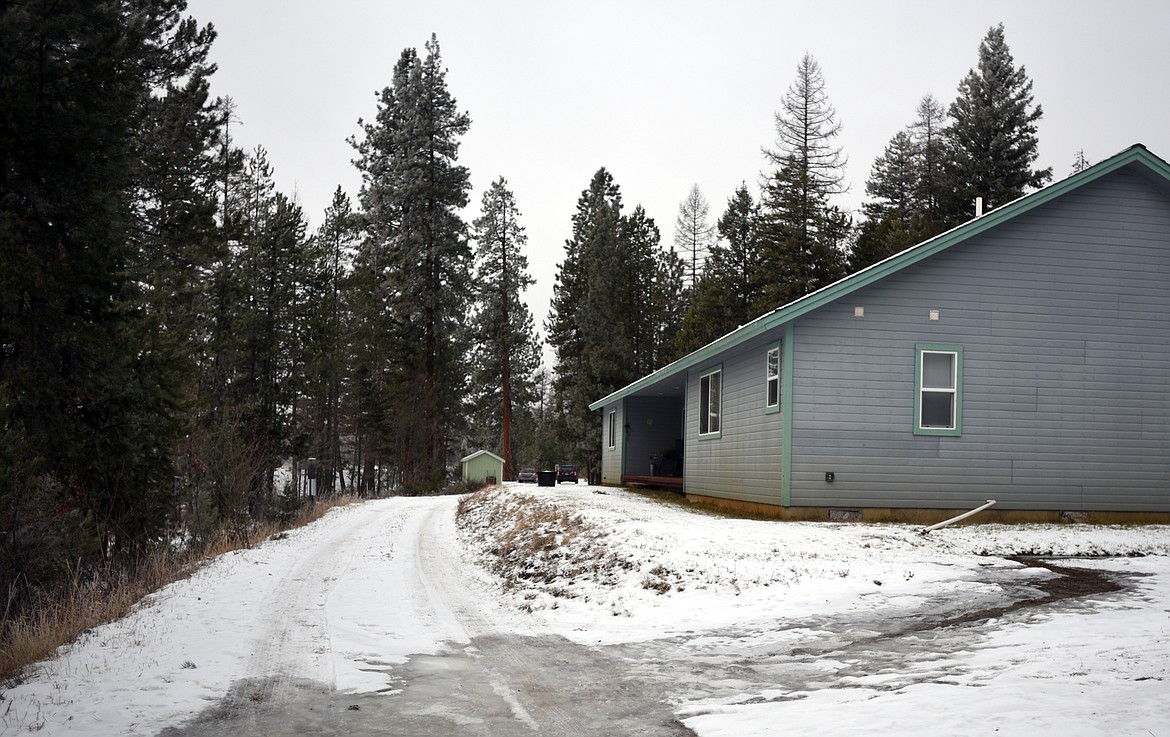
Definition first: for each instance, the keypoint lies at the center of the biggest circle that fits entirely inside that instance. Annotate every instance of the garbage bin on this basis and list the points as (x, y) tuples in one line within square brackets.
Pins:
[(546, 478)]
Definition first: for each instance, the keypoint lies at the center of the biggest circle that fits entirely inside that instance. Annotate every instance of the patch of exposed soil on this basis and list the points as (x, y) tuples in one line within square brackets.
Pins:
[(1068, 583)]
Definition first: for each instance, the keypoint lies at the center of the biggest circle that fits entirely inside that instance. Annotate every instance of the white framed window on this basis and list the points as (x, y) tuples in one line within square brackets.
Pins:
[(611, 429), (772, 380), (710, 403), (938, 397)]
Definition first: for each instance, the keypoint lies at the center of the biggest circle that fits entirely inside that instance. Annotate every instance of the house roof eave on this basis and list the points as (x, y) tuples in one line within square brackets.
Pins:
[(478, 453), (1136, 153)]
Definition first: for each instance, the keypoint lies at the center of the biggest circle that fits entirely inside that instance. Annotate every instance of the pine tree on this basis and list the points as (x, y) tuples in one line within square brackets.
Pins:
[(412, 193), (804, 234), (806, 126), (893, 182), (731, 292), (635, 294), (599, 326), (609, 330), (895, 217), (506, 353), (693, 234), (1080, 163), (668, 305), (886, 235), (268, 270), (93, 378), (993, 134), (930, 140), (597, 217), (329, 320)]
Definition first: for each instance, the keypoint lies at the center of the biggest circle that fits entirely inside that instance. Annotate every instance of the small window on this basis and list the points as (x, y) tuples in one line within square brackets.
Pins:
[(938, 399), (612, 429), (772, 374), (710, 396)]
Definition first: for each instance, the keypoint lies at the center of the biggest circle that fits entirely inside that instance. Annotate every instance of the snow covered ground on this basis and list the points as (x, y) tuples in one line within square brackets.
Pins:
[(1094, 665), (741, 627)]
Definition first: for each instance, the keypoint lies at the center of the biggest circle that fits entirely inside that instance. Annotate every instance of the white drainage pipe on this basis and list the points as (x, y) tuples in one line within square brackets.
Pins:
[(953, 520)]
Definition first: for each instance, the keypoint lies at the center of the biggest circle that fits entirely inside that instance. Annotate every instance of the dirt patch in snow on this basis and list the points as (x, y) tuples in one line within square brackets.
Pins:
[(1068, 583)]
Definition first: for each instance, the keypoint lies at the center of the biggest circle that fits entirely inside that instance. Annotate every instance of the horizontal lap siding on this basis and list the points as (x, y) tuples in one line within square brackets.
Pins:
[(744, 462), (611, 460), (1064, 318)]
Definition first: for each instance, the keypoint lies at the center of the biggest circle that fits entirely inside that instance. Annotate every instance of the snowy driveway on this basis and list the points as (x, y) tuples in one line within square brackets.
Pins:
[(378, 620), (378, 630)]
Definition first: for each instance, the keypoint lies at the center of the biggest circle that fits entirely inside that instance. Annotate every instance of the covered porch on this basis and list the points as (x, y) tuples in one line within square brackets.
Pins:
[(644, 437), (654, 482)]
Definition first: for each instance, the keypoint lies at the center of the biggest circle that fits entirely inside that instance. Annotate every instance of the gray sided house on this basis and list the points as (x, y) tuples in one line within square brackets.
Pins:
[(1023, 357)]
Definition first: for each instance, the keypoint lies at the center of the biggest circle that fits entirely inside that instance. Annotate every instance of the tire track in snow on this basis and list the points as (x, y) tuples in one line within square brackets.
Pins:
[(394, 602), (295, 644), (550, 685)]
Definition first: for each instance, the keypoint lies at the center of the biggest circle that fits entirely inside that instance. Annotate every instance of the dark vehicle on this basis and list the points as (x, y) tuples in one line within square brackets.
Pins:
[(527, 475), (566, 473)]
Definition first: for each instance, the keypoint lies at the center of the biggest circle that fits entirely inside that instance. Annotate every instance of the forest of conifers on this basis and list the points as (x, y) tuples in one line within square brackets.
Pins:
[(172, 333)]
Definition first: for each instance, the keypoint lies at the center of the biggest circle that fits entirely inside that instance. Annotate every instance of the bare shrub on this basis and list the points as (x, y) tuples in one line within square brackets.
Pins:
[(658, 579)]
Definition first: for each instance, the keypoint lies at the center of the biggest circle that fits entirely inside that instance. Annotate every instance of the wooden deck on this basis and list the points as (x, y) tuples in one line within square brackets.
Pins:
[(662, 482)]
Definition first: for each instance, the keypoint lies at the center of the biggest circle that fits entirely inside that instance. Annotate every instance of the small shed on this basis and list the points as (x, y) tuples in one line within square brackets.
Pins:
[(483, 466)]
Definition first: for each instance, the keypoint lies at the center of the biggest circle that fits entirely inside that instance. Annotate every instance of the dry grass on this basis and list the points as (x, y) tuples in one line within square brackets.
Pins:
[(531, 542), (111, 594)]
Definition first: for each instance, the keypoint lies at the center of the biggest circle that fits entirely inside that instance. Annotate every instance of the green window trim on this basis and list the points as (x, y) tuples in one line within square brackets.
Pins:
[(711, 403), (773, 371), (938, 393)]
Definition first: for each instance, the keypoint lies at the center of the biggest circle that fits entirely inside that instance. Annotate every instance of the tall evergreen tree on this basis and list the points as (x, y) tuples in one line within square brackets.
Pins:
[(93, 378), (804, 233), (638, 294), (598, 325), (668, 305), (597, 217), (895, 217), (931, 147), (993, 133), (893, 182), (693, 234), (327, 334), (506, 353), (266, 273), (908, 187), (806, 129), (412, 192), (731, 292)]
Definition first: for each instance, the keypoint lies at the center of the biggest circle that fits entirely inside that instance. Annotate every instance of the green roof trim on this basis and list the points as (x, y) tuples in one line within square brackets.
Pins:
[(1136, 154)]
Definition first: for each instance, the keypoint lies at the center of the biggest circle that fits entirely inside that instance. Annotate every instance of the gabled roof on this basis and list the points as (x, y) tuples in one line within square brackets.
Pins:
[(479, 453), (1136, 154)]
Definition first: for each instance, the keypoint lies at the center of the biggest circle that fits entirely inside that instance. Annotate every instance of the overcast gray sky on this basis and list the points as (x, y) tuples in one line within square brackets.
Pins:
[(666, 94)]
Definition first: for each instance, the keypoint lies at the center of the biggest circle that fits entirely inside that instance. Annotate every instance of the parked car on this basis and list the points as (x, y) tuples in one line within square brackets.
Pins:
[(566, 473), (527, 475)]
